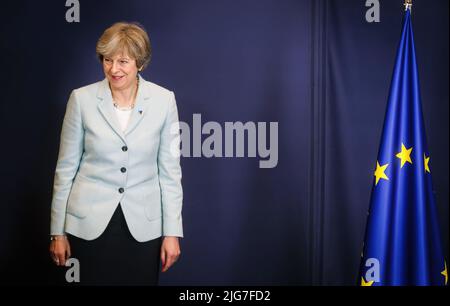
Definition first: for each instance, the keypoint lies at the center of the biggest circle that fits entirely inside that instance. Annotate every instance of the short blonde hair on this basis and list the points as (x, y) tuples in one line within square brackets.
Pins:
[(125, 37)]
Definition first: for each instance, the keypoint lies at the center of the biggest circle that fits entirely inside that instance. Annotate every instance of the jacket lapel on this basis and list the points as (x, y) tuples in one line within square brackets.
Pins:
[(139, 110), (106, 108)]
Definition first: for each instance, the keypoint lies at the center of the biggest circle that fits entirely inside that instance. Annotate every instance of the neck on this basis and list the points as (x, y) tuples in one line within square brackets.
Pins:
[(125, 97)]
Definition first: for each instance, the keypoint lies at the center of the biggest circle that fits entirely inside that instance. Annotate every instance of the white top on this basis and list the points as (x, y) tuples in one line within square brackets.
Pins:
[(123, 116)]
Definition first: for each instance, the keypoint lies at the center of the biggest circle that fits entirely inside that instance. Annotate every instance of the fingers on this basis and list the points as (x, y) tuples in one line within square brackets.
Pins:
[(69, 252), (60, 252), (170, 260), (169, 255), (53, 253), (170, 251), (163, 259), (61, 259)]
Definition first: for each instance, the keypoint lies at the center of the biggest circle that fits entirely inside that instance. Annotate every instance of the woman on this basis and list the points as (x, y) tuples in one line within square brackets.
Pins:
[(117, 192)]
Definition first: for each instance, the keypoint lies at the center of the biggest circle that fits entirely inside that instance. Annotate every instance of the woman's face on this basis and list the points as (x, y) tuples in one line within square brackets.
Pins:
[(120, 70)]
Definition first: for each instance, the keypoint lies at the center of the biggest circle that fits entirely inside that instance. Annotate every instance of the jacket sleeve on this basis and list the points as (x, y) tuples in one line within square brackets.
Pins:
[(170, 172), (70, 152)]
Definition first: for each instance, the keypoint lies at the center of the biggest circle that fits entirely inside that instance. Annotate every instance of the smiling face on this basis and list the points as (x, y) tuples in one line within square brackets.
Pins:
[(120, 70), (122, 49)]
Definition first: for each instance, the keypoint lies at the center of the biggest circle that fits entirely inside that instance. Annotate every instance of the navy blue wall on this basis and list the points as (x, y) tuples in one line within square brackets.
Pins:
[(316, 67)]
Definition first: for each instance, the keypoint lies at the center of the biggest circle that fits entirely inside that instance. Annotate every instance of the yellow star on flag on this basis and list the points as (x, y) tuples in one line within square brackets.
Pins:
[(405, 155), (366, 284), (379, 173), (426, 161), (445, 273)]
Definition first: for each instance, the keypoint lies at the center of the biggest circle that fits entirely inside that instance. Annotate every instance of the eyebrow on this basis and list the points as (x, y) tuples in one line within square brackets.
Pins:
[(119, 59)]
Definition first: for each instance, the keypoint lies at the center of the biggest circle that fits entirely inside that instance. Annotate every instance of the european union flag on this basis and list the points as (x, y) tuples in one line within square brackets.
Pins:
[(402, 243)]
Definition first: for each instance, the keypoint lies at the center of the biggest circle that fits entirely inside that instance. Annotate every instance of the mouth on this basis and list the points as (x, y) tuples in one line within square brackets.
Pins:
[(117, 78)]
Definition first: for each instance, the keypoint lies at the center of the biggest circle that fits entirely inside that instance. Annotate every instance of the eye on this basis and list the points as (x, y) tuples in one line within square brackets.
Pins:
[(107, 60), (124, 62)]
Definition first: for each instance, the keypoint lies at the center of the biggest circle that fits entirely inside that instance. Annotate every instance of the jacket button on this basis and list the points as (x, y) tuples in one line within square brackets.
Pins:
[(124, 148), (123, 169), (121, 190)]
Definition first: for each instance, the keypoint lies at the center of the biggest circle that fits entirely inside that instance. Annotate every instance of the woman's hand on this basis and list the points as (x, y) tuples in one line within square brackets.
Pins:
[(60, 250), (170, 251)]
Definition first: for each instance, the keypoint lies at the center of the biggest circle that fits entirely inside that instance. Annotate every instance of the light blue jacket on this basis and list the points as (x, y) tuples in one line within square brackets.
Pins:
[(99, 166)]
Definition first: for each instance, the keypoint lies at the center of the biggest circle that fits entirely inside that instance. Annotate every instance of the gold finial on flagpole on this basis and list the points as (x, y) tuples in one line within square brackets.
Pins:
[(408, 5)]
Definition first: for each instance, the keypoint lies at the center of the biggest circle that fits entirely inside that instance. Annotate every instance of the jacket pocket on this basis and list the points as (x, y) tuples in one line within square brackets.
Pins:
[(153, 209), (81, 197)]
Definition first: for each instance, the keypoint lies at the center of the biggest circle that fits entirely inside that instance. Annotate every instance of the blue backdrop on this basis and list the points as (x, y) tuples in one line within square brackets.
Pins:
[(316, 67)]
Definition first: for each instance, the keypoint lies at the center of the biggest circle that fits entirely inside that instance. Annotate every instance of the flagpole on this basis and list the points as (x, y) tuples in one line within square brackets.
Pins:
[(408, 5)]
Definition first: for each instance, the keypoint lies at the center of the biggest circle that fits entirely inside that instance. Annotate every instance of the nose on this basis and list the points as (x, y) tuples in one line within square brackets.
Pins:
[(114, 67)]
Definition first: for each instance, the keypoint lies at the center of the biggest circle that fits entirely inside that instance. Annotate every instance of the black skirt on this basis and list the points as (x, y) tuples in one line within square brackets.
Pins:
[(116, 258)]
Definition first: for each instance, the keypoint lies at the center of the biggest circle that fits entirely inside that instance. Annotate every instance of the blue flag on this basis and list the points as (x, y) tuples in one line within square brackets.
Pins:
[(402, 242)]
